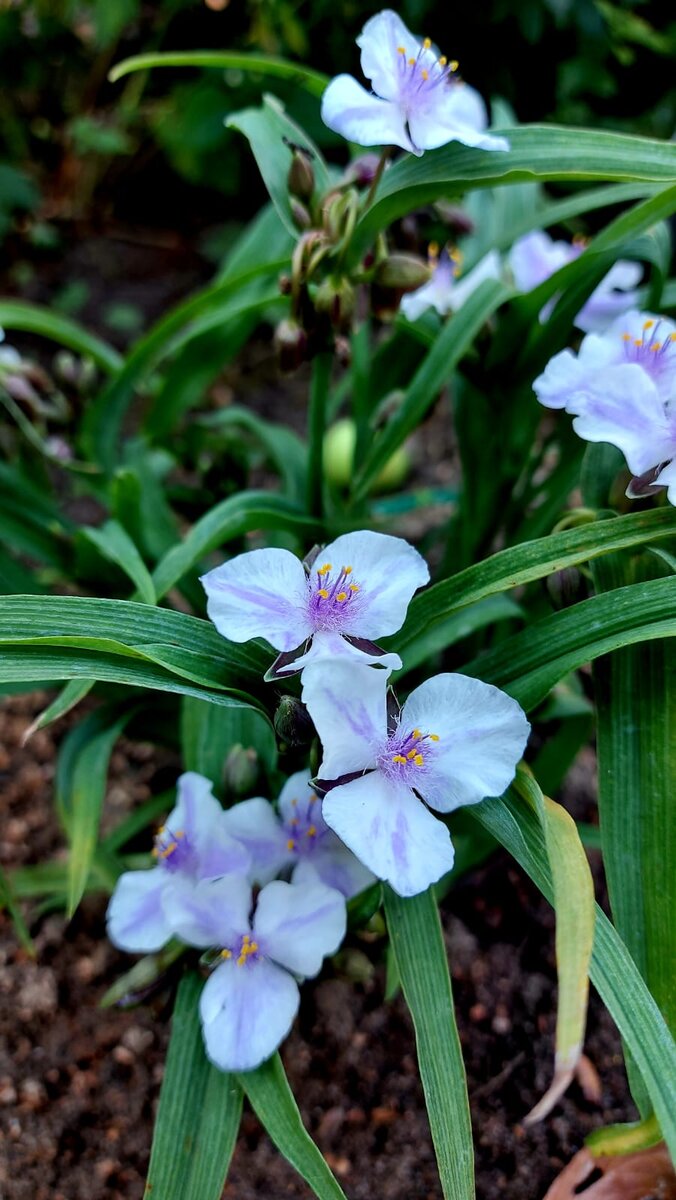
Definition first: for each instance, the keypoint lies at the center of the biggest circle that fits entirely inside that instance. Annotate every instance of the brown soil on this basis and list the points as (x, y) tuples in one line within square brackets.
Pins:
[(79, 1084)]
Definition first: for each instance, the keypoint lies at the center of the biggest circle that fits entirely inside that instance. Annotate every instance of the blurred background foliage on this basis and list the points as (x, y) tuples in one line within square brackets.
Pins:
[(154, 150)]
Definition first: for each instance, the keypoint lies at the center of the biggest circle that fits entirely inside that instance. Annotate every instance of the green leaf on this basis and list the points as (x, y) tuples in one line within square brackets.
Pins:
[(613, 971), (114, 543), (8, 901), (573, 891), (31, 318), (67, 699), (415, 934), (223, 60), (198, 1115), (459, 625), (271, 1098), (208, 733), (284, 449), (544, 152)]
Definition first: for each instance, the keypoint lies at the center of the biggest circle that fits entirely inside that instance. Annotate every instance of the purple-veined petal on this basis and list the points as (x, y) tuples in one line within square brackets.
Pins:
[(488, 267), (262, 593), (348, 705), (255, 824), (613, 297), (210, 912), (390, 831), (561, 379), (199, 820), (327, 647), (246, 1012), (482, 733), (136, 921), (336, 866), (350, 110), (295, 795), (297, 925), (434, 294), (625, 409), (387, 570), (536, 256), (379, 42), (455, 112)]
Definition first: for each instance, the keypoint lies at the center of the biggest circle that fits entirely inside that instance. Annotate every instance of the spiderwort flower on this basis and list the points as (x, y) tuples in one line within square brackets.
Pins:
[(359, 588), (418, 104), (445, 291), (193, 845), (536, 256), (621, 388), (299, 837), (455, 741), (250, 1000)]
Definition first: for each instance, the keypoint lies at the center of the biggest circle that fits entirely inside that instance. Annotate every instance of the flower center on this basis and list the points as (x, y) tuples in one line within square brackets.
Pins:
[(650, 351), (406, 753), (172, 850), (421, 75), (303, 829), (332, 596), (245, 950)]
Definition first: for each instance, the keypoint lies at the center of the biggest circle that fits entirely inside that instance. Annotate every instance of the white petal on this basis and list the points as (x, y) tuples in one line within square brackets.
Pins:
[(336, 866), (210, 912), (327, 646), (387, 571), (430, 295), (611, 298), (536, 256), (255, 824), (348, 704), (489, 267), (199, 817), (390, 831), (561, 379), (246, 1012), (263, 593), (625, 409), (350, 110), (379, 42), (136, 921), (482, 734), (297, 925), (457, 114), (296, 789)]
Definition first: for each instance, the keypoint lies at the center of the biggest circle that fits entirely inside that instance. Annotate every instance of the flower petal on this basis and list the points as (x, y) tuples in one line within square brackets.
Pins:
[(295, 794), (328, 646), (348, 705), (489, 267), (379, 42), (390, 831), (336, 866), (350, 110), (625, 409), (255, 824), (387, 570), (457, 114), (246, 1012), (667, 479), (262, 593), (482, 734), (564, 375), (201, 819), (136, 921), (536, 256), (211, 912), (297, 925), (611, 298)]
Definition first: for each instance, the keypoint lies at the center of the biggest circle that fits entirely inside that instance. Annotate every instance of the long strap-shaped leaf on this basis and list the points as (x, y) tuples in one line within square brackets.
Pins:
[(271, 1098), (612, 971), (31, 318), (415, 935), (198, 1115), (254, 64)]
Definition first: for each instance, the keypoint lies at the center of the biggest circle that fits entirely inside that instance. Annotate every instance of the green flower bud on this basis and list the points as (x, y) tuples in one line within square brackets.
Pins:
[(241, 771), (402, 272), (292, 722), (334, 299), (301, 177)]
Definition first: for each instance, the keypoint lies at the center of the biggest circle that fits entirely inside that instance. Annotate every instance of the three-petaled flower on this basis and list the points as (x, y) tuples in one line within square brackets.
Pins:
[(418, 102), (146, 908), (358, 589), (250, 1000), (621, 388), (456, 741), (536, 256), (299, 837), (445, 291)]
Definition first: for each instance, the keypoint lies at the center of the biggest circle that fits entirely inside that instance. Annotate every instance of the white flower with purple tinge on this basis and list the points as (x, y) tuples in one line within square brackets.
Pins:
[(249, 1002), (536, 256), (418, 104), (445, 292), (298, 837), (456, 741), (621, 388), (193, 845), (358, 589)]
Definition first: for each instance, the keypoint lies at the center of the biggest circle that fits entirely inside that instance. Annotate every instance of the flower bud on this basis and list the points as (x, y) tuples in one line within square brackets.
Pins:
[(290, 344), (402, 272), (301, 177), (292, 722), (566, 587), (241, 770), (339, 214), (301, 217), (334, 299), (362, 170)]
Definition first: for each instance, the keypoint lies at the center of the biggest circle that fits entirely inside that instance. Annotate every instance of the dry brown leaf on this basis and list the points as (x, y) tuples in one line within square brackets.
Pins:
[(646, 1175)]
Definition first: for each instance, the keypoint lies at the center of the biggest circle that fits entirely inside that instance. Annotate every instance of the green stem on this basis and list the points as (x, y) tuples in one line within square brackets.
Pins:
[(377, 177), (319, 389)]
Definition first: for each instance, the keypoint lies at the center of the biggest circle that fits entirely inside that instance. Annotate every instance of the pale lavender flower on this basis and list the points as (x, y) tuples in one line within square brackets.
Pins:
[(621, 388), (445, 291), (249, 1001), (418, 104), (193, 845), (297, 838), (456, 741), (358, 590), (536, 256)]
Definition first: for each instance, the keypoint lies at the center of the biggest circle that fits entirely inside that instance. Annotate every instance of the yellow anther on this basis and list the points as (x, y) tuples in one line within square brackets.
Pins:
[(626, 337), (443, 60), (325, 569), (347, 570), (638, 341), (241, 960), (401, 50), (291, 845), (399, 758), (246, 938), (454, 64), (341, 597), (323, 593), (433, 250), (672, 337), (226, 953), (353, 587), (455, 255), (180, 833), (427, 44), (648, 324), (412, 753), (411, 62), (313, 799), (418, 760), (311, 831), (169, 850), (656, 346), (416, 734), (434, 737), (425, 74), (161, 829), (155, 852), (253, 947)]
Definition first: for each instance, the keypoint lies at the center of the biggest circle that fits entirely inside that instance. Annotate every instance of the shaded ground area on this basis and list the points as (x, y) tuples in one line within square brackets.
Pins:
[(79, 1085)]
